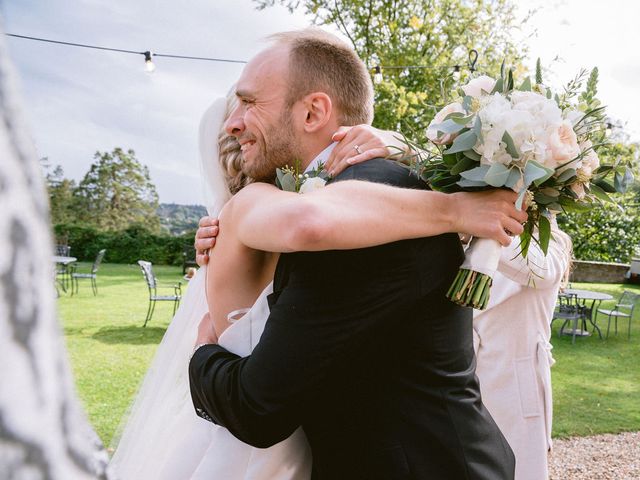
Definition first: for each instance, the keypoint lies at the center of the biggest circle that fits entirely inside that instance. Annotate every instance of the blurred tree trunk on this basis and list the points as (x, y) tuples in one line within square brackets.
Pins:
[(44, 433)]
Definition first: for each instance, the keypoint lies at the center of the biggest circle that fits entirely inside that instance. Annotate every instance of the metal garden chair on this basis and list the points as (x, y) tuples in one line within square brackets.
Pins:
[(623, 309), (63, 271), (569, 310), (75, 276), (152, 283)]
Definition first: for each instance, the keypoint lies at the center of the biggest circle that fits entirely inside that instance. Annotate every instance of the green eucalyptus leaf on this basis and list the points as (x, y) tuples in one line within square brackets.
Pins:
[(498, 86), (514, 175), (533, 171), (604, 185), (511, 146), (464, 183), (448, 126), (520, 199), (466, 102), (472, 154), (288, 182), (464, 141), (477, 128), (450, 159), (497, 175), (476, 174)]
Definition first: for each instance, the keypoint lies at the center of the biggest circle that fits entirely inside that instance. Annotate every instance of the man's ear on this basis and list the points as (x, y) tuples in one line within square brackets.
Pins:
[(318, 109)]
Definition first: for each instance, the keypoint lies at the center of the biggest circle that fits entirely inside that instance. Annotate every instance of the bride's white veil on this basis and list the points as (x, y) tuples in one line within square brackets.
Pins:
[(162, 434)]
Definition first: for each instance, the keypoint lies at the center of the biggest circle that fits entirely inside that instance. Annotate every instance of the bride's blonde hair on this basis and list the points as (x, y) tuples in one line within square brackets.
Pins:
[(230, 155)]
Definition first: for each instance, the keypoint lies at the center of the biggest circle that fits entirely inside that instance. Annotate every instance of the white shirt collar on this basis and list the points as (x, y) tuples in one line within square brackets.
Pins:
[(321, 158)]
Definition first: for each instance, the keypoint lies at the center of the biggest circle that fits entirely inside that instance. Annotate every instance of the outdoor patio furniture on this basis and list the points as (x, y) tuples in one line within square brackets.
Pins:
[(63, 270), (623, 309), (572, 313), (75, 276), (152, 283)]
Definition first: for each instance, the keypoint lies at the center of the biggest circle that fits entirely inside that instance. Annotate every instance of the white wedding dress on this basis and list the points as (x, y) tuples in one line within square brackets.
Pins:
[(163, 439)]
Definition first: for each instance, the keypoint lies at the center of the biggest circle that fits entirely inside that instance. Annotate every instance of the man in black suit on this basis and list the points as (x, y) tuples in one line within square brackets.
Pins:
[(361, 347)]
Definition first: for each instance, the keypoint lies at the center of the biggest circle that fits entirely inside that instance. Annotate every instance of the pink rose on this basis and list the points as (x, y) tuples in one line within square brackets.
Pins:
[(476, 86), (578, 189), (432, 133), (562, 144), (590, 159)]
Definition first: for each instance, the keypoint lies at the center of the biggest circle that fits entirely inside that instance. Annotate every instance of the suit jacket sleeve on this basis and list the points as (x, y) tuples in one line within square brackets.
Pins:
[(308, 336)]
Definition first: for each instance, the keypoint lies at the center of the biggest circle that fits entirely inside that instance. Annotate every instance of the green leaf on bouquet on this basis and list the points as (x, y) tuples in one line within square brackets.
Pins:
[(286, 181), (526, 85), (476, 174), (600, 193), (514, 176), (464, 183), (511, 146), (466, 102), (477, 128), (604, 185), (464, 141), (549, 174), (542, 199), (472, 154), (448, 126), (567, 175), (520, 199), (622, 180), (544, 233), (465, 163), (497, 88), (525, 237), (497, 175), (450, 159), (509, 80), (533, 171), (461, 119)]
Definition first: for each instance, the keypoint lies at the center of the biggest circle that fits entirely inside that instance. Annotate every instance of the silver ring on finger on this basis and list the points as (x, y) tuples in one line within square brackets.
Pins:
[(357, 149)]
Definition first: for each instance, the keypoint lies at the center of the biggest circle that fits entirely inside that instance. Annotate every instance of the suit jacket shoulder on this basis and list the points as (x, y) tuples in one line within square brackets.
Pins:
[(381, 170)]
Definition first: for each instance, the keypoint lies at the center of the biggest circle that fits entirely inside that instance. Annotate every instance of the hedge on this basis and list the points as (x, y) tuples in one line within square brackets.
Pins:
[(125, 246)]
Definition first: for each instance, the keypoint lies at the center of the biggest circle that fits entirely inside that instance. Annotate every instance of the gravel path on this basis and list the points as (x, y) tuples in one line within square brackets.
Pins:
[(601, 457)]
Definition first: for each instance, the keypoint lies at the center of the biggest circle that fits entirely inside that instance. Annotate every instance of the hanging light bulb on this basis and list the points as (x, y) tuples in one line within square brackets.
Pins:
[(149, 66), (377, 76), (456, 73)]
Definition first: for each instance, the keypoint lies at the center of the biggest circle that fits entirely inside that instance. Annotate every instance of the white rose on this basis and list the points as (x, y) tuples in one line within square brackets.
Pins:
[(432, 133), (311, 184), (476, 86)]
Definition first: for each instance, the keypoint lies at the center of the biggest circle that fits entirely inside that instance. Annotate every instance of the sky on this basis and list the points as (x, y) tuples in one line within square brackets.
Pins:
[(78, 101)]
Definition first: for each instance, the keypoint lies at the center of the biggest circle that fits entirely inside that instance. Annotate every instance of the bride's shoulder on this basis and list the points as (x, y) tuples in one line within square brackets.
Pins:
[(246, 198)]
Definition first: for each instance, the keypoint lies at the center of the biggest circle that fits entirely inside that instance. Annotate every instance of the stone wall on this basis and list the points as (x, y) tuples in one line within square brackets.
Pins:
[(598, 272)]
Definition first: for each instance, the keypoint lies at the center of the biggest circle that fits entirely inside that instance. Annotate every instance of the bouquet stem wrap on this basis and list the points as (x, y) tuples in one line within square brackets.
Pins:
[(473, 282)]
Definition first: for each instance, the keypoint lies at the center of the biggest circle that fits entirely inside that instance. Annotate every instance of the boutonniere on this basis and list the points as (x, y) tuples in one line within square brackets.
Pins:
[(290, 179)]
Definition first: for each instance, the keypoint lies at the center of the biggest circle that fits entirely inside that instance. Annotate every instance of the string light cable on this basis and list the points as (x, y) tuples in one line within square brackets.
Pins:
[(150, 66)]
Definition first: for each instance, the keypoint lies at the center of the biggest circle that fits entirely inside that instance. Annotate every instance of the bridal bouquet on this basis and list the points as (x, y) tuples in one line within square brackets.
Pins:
[(523, 137)]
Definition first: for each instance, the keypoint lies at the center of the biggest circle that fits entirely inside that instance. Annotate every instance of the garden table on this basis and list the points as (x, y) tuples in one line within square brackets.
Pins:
[(65, 262), (588, 311)]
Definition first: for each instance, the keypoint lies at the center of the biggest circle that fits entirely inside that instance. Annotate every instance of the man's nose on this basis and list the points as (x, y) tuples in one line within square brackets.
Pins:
[(235, 123)]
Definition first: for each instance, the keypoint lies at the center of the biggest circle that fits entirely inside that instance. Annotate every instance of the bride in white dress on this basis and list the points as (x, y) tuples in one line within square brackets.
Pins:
[(163, 438)]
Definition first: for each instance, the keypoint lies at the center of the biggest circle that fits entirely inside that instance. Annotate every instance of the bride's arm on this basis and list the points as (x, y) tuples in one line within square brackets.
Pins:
[(357, 214)]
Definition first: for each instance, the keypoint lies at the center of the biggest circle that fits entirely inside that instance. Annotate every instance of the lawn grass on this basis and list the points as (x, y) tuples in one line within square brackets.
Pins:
[(596, 382)]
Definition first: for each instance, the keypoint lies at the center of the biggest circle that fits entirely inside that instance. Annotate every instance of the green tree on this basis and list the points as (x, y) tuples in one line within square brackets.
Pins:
[(117, 192), (437, 34), (61, 193)]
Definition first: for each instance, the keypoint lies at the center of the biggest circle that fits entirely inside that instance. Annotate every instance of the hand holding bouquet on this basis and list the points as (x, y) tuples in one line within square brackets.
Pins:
[(542, 146)]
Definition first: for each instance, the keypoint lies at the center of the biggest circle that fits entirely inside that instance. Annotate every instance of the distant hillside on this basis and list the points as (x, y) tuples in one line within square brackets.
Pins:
[(178, 219)]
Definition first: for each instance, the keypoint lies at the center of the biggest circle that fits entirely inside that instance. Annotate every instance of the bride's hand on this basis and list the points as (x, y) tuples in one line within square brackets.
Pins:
[(361, 143), (205, 239), (206, 332)]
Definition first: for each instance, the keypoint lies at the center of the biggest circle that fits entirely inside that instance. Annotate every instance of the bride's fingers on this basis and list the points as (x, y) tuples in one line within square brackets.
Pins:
[(513, 226), (202, 244), (202, 259), (208, 221)]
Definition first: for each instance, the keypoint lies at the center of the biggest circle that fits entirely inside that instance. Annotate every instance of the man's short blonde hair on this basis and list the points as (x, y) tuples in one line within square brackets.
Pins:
[(321, 62)]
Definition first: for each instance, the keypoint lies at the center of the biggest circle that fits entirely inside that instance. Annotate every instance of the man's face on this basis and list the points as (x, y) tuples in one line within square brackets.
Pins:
[(261, 122)]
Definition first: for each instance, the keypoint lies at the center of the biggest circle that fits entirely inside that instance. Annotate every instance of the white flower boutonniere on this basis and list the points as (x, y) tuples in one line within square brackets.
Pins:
[(290, 180)]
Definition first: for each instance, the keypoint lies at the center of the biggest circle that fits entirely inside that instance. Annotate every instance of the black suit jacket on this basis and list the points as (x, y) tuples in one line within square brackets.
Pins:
[(364, 351)]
